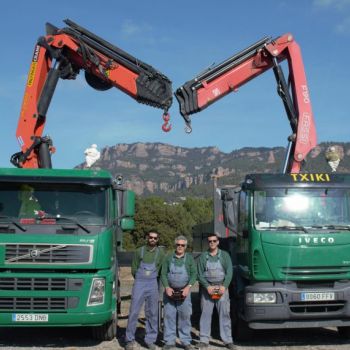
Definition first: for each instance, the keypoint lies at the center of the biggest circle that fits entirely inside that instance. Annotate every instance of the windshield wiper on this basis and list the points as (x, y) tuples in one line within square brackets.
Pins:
[(58, 218), (336, 227), (293, 228), (14, 222)]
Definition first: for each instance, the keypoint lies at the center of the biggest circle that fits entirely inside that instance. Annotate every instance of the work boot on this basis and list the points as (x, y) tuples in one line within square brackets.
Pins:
[(151, 346), (169, 346), (202, 346), (230, 346), (129, 345)]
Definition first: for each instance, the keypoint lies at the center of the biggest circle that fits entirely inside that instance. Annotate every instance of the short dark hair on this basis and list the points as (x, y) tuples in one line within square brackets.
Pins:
[(213, 234), (153, 231)]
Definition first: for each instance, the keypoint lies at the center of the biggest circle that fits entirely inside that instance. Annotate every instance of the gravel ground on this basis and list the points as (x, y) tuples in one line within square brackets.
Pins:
[(79, 338)]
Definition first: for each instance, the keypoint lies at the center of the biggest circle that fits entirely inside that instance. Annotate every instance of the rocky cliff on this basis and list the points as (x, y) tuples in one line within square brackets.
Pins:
[(157, 168)]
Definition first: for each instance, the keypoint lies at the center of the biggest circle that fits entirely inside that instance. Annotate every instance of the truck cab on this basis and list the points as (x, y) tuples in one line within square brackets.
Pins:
[(291, 256), (60, 232)]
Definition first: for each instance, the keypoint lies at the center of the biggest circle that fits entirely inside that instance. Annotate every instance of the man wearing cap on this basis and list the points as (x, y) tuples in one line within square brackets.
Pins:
[(214, 275)]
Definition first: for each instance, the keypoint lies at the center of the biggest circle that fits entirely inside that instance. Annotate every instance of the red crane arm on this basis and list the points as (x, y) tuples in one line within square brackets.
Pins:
[(228, 76), (62, 53)]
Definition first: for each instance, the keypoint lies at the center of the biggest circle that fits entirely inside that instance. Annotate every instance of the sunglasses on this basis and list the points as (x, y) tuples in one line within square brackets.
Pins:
[(180, 245), (212, 240), (154, 238)]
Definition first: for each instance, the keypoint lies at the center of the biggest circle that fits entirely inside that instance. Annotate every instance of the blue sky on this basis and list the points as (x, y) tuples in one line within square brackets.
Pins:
[(179, 38)]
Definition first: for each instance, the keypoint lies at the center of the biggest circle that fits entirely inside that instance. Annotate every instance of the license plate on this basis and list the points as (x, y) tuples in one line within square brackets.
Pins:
[(317, 296), (30, 317)]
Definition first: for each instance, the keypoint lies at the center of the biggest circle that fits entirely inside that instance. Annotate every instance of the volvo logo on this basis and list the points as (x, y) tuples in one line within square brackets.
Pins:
[(34, 253)]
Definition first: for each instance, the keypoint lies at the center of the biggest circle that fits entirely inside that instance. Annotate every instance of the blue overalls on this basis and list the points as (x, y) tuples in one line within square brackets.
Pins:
[(178, 278), (215, 275), (145, 290)]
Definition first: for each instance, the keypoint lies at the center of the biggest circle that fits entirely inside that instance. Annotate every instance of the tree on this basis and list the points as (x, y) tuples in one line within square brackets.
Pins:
[(170, 220), (201, 210)]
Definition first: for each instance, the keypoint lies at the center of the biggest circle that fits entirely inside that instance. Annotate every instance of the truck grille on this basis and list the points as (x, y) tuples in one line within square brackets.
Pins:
[(20, 283), (47, 254), (306, 271), (41, 283), (47, 304), (316, 306)]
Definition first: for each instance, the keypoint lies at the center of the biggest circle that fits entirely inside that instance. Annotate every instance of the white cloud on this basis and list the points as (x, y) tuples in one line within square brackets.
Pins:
[(344, 26), (342, 8), (337, 4), (129, 28), (132, 29)]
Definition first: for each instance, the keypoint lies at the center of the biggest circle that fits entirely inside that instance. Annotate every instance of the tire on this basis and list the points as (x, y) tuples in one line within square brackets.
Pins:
[(344, 332), (107, 331), (240, 328)]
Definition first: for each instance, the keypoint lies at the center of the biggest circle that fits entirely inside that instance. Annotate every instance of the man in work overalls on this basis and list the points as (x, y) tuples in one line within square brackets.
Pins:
[(145, 268), (178, 276), (215, 275)]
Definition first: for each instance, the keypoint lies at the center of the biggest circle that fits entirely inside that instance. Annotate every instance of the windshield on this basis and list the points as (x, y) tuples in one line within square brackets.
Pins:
[(283, 208), (37, 203)]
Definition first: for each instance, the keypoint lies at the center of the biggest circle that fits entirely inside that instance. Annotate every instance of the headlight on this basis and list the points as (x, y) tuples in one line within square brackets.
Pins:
[(261, 298), (97, 292)]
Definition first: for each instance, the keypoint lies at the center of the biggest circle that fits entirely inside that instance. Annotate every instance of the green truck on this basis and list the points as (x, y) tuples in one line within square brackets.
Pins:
[(288, 234), (60, 231), (289, 238)]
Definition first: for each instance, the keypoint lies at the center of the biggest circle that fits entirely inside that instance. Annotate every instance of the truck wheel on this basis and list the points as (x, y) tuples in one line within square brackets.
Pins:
[(344, 332), (107, 331)]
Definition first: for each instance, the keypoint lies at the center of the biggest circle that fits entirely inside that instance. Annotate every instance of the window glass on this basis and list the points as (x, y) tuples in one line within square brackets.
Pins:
[(301, 207), (86, 204)]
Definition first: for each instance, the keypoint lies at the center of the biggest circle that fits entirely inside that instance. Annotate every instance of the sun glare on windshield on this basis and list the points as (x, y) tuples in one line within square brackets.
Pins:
[(296, 203)]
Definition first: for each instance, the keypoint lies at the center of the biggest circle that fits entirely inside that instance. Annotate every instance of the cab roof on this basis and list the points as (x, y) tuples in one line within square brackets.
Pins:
[(79, 176)]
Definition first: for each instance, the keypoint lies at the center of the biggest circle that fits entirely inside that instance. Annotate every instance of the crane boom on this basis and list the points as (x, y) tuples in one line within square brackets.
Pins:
[(62, 53), (215, 83)]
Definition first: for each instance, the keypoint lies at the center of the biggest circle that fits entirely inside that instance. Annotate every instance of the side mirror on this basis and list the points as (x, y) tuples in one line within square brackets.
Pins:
[(125, 203), (128, 203), (125, 206), (127, 224), (229, 206)]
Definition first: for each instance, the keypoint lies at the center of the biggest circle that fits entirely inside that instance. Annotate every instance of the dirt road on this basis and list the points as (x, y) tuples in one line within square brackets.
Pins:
[(73, 339)]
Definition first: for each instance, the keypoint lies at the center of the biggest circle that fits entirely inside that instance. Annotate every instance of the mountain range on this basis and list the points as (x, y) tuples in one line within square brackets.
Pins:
[(174, 171)]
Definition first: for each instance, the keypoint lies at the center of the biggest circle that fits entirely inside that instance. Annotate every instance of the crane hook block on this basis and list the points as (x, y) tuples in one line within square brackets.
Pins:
[(166, 127)]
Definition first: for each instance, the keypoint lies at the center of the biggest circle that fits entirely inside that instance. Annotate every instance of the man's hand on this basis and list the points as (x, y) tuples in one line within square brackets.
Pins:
[(186, 291), (211, 290), (169, 291)]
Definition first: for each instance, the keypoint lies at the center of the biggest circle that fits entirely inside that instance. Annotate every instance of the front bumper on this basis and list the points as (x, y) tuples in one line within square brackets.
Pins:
[(54, 299), (58, 320), (290, 311)]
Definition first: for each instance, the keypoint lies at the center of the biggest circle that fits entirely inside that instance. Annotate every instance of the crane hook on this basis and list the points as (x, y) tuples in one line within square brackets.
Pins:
[(188, 127), (166, 127)]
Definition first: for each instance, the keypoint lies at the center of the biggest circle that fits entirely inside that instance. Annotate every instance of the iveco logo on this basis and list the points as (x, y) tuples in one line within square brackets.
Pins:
[(34, 253), (316, 240)]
